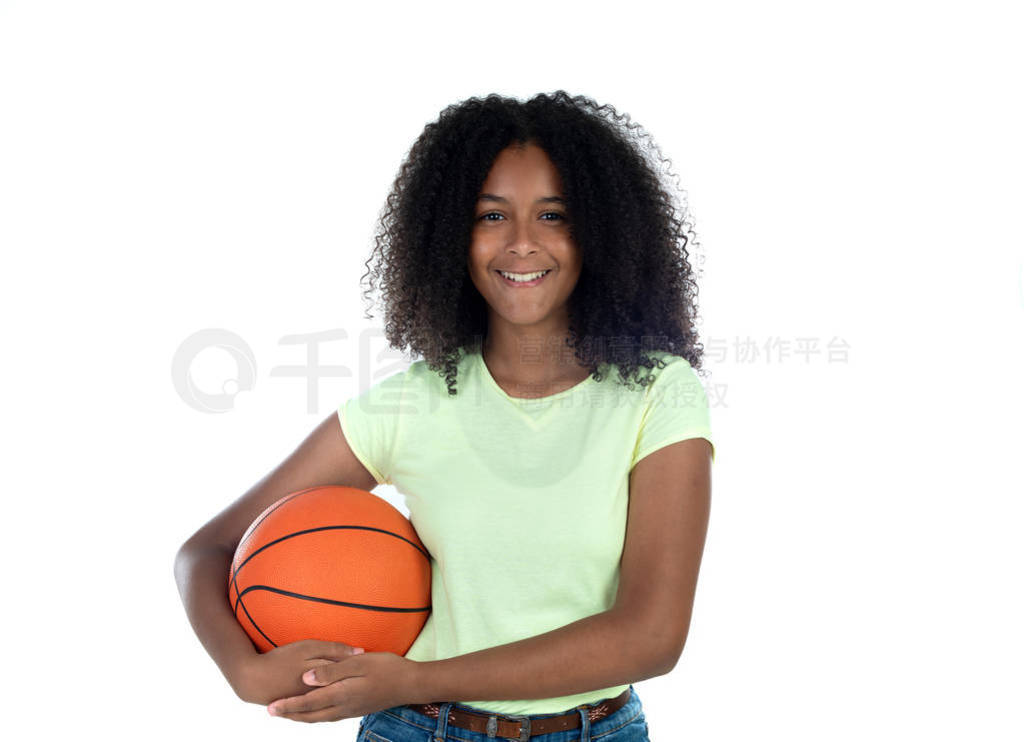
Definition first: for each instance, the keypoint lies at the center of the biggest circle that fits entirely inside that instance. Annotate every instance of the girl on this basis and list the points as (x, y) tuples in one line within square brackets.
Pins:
[(528, 251)]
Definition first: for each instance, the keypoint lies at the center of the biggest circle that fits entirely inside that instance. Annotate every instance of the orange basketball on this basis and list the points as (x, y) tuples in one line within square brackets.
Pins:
[(331, 563)]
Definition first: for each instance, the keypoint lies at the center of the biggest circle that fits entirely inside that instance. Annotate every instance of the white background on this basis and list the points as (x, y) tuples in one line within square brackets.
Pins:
[(855, 173)]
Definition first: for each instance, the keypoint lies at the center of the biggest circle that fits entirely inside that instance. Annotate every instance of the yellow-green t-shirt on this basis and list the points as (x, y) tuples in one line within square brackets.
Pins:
[(521, 502)]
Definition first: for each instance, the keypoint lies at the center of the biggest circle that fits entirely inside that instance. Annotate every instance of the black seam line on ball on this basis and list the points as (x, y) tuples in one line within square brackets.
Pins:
[(290, 594), (245, 537), (234, 576), (252, 620), (284, 501)]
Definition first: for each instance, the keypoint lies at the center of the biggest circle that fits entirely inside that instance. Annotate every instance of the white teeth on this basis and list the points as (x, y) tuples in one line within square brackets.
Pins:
[(520, 277)]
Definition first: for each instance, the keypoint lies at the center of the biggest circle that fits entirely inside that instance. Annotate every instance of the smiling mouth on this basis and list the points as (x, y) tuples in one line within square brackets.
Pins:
[(522, 284)]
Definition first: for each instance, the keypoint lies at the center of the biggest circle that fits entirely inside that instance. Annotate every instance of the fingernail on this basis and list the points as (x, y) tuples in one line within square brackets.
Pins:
[(309, 676), (358, 650), (272, 710)]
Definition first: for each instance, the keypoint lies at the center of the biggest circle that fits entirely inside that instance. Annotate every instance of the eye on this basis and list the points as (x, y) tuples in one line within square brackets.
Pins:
[(485, 217)]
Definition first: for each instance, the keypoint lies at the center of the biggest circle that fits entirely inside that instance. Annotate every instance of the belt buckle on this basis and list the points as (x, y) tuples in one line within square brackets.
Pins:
[(524, 729)]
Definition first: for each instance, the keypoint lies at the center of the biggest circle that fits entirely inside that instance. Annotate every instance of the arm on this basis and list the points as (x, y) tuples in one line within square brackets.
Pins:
[(202, 563), (606, 649), (642, 635), (201, 573)]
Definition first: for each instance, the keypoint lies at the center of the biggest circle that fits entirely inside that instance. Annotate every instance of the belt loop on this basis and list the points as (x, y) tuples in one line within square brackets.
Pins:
[(441, 733), (584, 712), (492, 726)]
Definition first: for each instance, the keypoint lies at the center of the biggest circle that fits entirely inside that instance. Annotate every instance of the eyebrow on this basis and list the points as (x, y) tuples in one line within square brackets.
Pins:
[(502, 199)]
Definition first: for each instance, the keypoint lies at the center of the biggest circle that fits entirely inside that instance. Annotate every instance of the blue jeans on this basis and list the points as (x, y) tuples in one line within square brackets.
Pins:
[(402, 724)]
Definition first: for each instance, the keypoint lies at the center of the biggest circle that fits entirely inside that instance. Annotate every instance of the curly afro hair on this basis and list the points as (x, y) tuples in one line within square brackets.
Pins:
[(636, 292)]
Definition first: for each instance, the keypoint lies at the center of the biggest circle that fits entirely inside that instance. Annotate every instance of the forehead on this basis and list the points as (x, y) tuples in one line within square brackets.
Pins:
[(522, 168)]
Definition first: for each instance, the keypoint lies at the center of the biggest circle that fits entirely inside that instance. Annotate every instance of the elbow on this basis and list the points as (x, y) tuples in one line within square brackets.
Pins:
[(670, 639), (659, 640), (181, 561), (184, 557), (184, 552), (670, 656)]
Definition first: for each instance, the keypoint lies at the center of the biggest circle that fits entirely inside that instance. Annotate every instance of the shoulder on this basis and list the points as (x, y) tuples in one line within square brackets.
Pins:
[(420, 375), (675, 382), (669, 366), (419, 372), (423, 383)]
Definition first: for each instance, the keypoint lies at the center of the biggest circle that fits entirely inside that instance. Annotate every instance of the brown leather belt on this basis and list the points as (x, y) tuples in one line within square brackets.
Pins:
[(521, 727)]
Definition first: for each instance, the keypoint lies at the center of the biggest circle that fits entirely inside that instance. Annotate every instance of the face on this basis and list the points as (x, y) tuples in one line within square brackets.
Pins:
[(522, 226)]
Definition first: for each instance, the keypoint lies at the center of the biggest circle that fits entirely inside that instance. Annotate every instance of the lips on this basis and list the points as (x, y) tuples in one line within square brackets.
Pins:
[(524, 284)]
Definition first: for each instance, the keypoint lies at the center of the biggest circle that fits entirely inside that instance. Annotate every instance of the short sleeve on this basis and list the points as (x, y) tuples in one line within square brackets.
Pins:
[(675, 409), (370, 423)]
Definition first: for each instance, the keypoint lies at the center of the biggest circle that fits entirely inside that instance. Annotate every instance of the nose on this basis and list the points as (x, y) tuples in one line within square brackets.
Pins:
[(522, 242)]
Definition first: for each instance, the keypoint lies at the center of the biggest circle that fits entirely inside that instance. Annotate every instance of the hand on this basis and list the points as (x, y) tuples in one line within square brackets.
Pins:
[(278, 673), (351, 687)]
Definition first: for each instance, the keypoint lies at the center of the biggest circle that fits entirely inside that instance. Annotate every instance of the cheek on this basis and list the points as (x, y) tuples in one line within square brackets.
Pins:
[(476, 257), (477, 275)]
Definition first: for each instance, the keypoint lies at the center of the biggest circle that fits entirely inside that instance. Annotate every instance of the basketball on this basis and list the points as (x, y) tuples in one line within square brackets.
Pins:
[(331, 563)]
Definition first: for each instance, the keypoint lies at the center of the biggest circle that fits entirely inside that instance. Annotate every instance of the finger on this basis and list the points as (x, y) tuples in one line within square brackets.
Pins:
[(310, 664), (316, 700), (330, 650), (333, 672), (332, 713)]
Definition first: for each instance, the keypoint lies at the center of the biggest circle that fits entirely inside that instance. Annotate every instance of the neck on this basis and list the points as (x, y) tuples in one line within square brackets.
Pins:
[(531, 356)]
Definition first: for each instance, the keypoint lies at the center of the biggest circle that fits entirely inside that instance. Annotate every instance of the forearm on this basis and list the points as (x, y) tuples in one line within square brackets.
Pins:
[(201, 574), (600, 651)]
